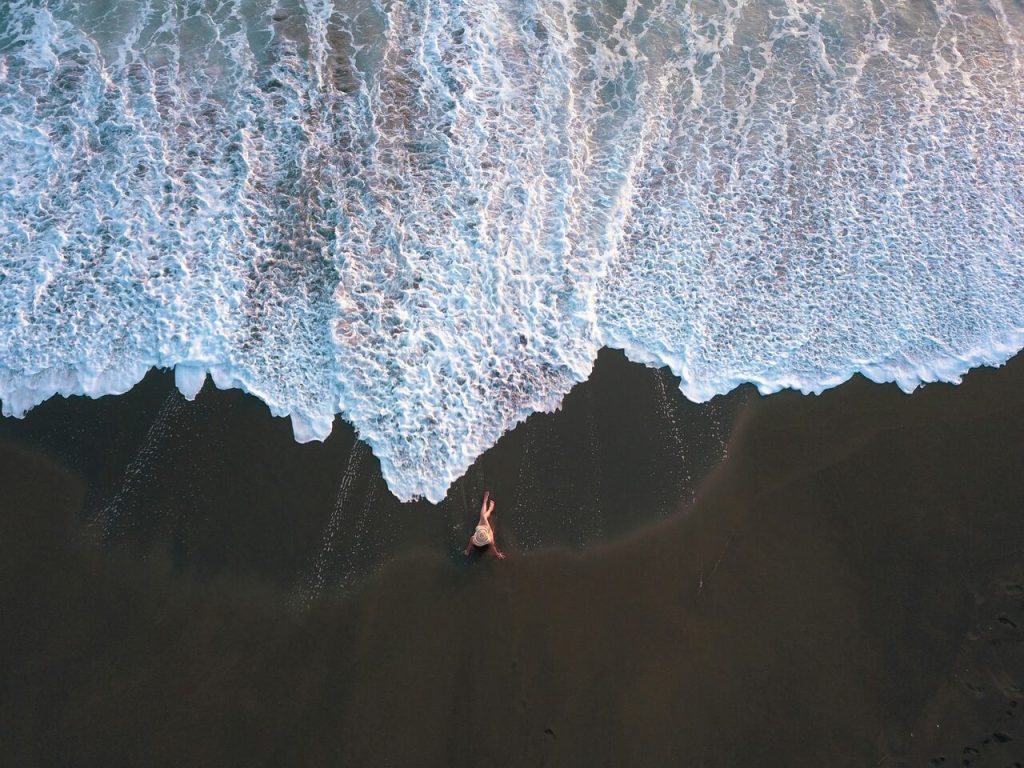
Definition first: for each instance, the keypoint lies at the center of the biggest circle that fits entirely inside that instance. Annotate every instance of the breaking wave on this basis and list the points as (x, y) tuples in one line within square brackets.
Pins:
[(428, 216)]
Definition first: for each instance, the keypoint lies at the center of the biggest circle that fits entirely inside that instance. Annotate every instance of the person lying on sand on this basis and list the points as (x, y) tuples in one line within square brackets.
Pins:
[(483, 536)]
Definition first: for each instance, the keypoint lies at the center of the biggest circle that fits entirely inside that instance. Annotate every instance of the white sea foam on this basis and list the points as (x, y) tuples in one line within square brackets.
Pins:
[(428, 216)]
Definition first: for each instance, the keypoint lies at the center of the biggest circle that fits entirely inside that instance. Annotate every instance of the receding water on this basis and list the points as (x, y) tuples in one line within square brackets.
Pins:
[(429, 216)]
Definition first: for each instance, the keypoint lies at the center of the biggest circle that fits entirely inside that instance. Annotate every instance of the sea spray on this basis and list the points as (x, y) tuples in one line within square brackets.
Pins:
[(429, 216)]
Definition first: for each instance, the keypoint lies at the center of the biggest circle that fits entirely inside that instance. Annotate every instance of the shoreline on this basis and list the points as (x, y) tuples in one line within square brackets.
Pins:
[(191, 378)]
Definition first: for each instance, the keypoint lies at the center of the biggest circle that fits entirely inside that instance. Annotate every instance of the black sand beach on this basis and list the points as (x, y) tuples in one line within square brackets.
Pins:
[(779, 581)]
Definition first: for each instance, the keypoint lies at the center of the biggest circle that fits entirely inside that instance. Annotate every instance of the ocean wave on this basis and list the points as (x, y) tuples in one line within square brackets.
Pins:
[(429, 216)]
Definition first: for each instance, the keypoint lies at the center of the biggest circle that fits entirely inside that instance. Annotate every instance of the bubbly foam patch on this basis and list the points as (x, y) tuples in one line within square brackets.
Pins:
[(428, 216)]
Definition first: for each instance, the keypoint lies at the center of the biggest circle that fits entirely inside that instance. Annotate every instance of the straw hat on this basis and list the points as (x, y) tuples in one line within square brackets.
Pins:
[(482, 536)]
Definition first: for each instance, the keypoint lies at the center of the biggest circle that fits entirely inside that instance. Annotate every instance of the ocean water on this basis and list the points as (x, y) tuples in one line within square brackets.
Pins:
[(428, 216)]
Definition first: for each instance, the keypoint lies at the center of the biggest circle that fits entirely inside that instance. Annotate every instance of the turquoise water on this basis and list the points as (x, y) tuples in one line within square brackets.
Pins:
[(429, 216)]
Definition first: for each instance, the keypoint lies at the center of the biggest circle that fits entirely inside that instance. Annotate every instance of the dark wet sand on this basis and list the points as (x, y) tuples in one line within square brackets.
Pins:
[(183, 585)]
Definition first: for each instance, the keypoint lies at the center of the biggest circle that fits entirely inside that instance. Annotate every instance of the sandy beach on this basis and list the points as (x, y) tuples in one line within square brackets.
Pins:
[(756, 581)]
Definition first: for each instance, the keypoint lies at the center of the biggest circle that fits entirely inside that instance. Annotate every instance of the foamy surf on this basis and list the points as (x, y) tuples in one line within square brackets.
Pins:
[(429, 216)]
